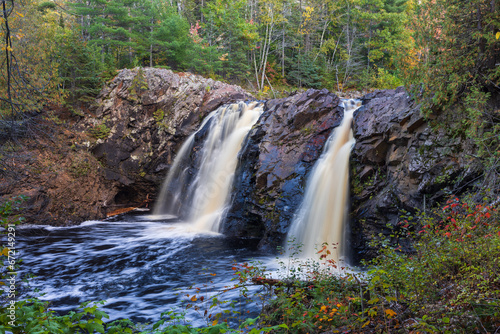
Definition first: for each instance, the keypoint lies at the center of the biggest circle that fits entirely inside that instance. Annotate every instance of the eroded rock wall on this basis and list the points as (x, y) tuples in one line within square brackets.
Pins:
[(149, 113), (118, 153), (274, 163), (401, 164)]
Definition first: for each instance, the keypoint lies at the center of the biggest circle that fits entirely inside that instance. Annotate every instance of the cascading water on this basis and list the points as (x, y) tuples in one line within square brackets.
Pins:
[(320, 218), (202, 199)]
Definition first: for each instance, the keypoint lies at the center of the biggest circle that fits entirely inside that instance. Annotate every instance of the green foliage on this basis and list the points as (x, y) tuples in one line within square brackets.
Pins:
[(44, 6), (159, 115), (449, 282), (80, 67), (304, 73), (100, 131), (458, 52)]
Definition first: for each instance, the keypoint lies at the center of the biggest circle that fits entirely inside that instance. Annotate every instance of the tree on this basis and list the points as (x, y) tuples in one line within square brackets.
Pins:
[(459, 52), (228, 28), (29, 69)]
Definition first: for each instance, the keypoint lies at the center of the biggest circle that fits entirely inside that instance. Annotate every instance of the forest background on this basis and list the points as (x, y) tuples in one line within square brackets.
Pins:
[(63, 51)]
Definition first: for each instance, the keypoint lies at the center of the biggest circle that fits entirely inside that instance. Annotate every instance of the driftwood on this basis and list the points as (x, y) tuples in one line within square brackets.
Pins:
[(128, 209)]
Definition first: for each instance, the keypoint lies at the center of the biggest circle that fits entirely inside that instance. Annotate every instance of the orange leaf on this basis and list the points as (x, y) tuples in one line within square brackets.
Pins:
[(193, 299), (215, 322), (390, 312)]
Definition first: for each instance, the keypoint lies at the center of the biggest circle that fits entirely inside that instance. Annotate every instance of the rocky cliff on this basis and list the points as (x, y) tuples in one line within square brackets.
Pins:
[(119, 151), (399, 165), (145, 115), (274, 164), (129, 138)]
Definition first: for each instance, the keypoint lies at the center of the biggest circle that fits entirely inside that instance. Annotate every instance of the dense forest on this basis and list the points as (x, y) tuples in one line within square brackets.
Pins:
[(67, 49), (436, 271)]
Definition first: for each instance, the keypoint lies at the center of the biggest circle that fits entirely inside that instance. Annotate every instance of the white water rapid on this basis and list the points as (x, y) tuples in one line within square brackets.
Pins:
[(203, 198), (320, 218)]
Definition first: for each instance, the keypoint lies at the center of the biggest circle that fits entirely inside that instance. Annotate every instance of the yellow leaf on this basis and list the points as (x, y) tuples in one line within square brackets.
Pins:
[(193, 299), (5, 251), (390, 312), (19, 14), (365, 324), (498, 35), (215, 322)]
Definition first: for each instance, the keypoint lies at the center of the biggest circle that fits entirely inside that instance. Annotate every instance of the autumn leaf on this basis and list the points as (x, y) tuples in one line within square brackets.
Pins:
[(498, 35), (215, 322), (193, 299), (390, 312), (5, 251)]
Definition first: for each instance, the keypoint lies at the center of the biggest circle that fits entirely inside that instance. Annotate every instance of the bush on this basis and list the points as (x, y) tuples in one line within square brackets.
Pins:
[(450, 282), (100, 131)]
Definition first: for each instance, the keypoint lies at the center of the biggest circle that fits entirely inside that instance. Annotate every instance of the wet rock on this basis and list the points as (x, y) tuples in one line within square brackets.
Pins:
[(275, 162)]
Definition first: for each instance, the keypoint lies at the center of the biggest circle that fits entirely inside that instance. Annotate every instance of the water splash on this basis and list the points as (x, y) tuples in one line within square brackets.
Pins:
[(320, 218), (203, 199)]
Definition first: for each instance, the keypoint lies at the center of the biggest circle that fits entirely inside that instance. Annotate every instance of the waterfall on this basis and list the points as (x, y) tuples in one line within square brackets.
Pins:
[(202, 199), (320, 218)]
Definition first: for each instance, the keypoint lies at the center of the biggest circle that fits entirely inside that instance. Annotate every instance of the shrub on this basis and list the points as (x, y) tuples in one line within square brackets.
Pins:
[(100, 131)]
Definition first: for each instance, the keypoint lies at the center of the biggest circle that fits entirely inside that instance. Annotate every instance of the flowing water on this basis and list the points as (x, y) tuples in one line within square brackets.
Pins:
[(202, 199), (320, 218), (144, 265), (139, 266)]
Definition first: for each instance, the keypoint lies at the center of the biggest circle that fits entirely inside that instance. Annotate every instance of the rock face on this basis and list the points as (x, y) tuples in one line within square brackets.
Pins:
[(400, 164), (64, 183), (119, 153), (274, 163), (143, 116)]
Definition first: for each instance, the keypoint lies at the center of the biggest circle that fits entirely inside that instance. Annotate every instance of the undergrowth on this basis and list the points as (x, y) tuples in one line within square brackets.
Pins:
[(449, 283)]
